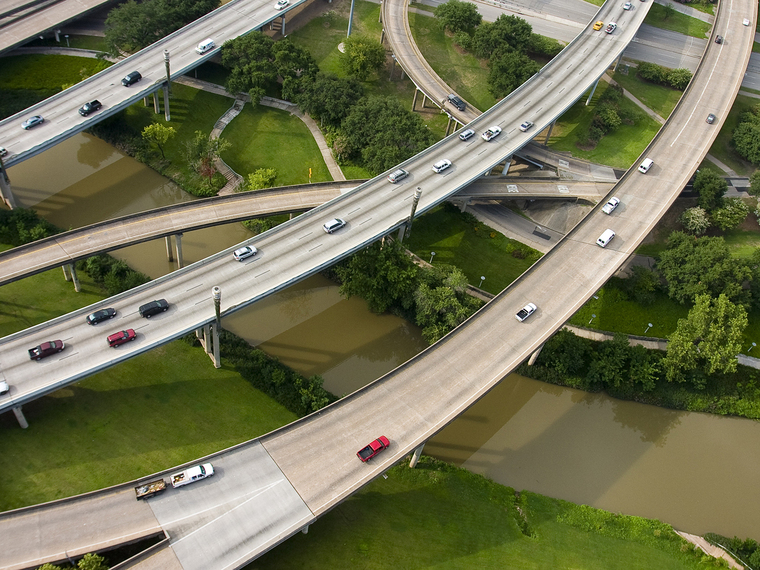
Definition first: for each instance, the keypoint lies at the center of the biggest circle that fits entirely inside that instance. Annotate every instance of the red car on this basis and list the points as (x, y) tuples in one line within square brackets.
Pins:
[(46, 349), (367, 453), (121, 337)]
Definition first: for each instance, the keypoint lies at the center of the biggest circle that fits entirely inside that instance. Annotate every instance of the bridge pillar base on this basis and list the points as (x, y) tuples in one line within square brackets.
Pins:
[(448, 125), (20, 417), (593, 89), (207, 339), (156, 103), (217, 358), (534, 356), (305, 530), (75, 278), (414, 101), (465, 203), (66, 274), (169, 253), (167, 111), (401, 233), (5, 188), (416, 456), (507, 164), (382, 34), (424, 98), (178, 245), (549, 132), (283, 27)]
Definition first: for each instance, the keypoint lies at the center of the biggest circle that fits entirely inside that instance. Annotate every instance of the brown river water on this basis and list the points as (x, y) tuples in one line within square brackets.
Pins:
[(698, 472)]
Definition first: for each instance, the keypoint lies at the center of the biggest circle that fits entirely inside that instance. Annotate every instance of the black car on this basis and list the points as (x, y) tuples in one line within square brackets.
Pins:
[(90, 107), (710, 119), (718, 39), (153, 308), (131, 79), (457, 102), (100, 316)]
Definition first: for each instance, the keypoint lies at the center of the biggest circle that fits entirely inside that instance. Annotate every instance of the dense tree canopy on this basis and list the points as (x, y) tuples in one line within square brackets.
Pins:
[(733, 212), (507, 33), (457, 16), (509, 70), (694, 266), (707, 341), (404, 133), (711, 187), (328, 98), (132, 26), (362, 56), (746, 136)]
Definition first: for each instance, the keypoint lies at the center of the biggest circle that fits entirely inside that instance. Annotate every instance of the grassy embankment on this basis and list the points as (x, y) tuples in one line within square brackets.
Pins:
[(677, 22)]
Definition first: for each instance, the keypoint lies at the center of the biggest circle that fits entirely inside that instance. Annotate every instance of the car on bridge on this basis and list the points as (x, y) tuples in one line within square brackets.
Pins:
[(334, 225), (90, 107), (526, 125), (100, 316), (397, 175), (710, 119), (611, 27), (281, 4), (464, 135), (153, 308), (121, 337), (525, 312), (46, 349), (4, 388), (441, 165), (491, 133), (3, 151), (610, 206), (598, 25), (32, 122), (131, 79), (457, 102), (244, 253), (369, 451), (627, 6)]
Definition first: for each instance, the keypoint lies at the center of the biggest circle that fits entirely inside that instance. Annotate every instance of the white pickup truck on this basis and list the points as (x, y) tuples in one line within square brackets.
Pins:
[(192, 474)]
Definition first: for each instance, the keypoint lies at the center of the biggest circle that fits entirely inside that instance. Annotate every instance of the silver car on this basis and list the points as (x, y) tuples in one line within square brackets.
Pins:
[(441, 165), (333, 225)]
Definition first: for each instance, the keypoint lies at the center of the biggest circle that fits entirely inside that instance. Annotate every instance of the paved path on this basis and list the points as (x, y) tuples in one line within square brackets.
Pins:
[(710, 549)]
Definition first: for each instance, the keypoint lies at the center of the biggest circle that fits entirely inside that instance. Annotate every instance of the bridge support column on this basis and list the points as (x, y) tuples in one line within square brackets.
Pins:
[(156, 104), (393, 67), (20, 417), (382, 35), (216, 293), (465, 203), (414, 101), (207, 339), (283, 27), (146, 101), (169, 253), (424, 98), (593, 89), (167, 111), (401, 233), (216, 359), (416, 456), (57, 34), (305, 530), (448, 126), (66, 274), (415, 201), (507, 164), (75, 278), (617, 63), (5, 187), (178, 244), (549, 132), (534, 356)]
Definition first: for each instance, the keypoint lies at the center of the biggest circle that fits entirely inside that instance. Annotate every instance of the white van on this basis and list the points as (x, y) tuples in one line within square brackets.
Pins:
[(646, 165), (205, 45), (605, 238)]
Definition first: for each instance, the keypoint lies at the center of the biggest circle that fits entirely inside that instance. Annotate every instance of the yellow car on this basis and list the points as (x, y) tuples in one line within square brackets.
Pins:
[(598, 25)]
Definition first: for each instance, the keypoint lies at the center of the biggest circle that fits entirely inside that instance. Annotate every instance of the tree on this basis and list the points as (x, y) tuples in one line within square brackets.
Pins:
[(380, 133), (292, 61), (383, 275), (362, 56), (261, 178), (667, 11), (746, 136), (329, 98), (132, 26), (642, 285), (652, 72), (707, 340), (679, 78), (711, 188), (457, 16), (645, 367), (609, 366), (695, 220), (754, 183), (92, 562), (566, 353), (250, 61), (159, 135), (201, 152), (509, 70), (731, 215), (507, 33), (694, 266)]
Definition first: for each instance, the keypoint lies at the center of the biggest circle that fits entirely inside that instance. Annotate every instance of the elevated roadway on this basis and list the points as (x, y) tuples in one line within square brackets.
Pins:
[(60, 111)]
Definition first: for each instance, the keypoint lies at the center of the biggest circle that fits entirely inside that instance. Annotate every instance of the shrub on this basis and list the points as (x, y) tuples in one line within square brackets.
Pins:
[(463, 40), (695, 220), (20, 226)]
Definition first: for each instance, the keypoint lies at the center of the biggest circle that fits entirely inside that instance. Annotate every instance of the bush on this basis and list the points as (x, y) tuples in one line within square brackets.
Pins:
[(20, 226), (652, 72), (112, 274), (695, 220), (463, 40)]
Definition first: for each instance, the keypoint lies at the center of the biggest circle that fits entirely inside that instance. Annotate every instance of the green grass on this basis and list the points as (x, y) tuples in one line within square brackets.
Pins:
[(723, 148), (466, 74), (46, 71), (437, 516), (87, 436), (95, 43), (618, 149), (677, 22), (263, 137), (662, 100), (704, 6), (459, 239)]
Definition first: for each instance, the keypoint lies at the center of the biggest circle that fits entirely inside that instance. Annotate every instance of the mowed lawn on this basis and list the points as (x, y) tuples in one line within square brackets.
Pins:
[(437, 516), (479, 251)]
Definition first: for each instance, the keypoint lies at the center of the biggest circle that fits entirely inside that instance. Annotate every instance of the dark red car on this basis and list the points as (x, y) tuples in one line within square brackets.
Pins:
[(46, 349), (367, 453), (121, 337)]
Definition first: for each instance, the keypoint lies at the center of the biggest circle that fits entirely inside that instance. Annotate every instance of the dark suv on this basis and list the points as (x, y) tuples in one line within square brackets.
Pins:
[(131, 79), (90, 107), (457, 102), (153, 308)]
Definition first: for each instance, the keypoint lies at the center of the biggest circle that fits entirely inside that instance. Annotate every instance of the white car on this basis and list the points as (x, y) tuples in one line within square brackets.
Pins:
[(464, 135), (244, 253), (333, 225), (745, 21), (610, 206), (491, 132), (3, 151), (281, 4), (526, 125), (4, 388), (441, 165), (525, 312), (627, 6), (611, 27)]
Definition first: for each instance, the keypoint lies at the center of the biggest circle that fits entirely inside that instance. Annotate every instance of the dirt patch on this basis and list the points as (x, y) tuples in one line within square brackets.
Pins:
[(669, 222)]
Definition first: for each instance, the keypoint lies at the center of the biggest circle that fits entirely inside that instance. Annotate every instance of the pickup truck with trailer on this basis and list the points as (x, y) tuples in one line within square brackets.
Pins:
[(368, 452), (150, 489), (192, 474), (46, 349)]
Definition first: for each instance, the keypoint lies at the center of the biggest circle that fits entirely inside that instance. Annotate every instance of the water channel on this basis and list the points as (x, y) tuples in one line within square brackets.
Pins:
[(695, 471)]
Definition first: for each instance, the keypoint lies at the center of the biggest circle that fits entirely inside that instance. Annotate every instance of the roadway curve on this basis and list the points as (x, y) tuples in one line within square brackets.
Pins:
[(295, 474)]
